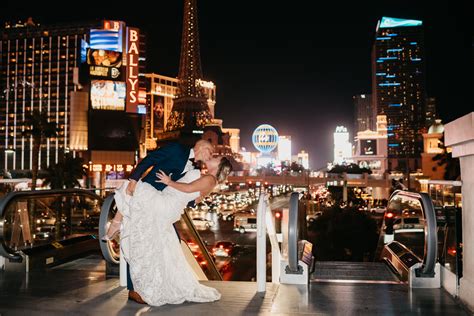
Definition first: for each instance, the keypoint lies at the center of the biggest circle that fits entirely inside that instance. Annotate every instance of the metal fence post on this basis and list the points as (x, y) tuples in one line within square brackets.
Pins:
[(261, 245)]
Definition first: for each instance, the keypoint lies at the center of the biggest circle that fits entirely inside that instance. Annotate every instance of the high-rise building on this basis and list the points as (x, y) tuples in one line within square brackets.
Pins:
[(364, 113), (371, 148), (37, 72), (303, 159), (398, 87), (284, 148), (430, 112), (86, 77), (342, 146)]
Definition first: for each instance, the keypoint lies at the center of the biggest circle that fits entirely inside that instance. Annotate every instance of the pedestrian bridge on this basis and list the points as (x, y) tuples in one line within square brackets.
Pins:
[(305, 180), (63, 272)]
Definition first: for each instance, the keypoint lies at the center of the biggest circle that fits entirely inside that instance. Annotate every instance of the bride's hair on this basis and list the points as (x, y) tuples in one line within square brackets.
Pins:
[(224, 169)]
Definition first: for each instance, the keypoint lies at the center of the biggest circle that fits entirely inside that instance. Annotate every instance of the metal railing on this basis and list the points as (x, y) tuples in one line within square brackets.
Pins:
[(293, 266), (290, 243), (419, 208), (29, 219)]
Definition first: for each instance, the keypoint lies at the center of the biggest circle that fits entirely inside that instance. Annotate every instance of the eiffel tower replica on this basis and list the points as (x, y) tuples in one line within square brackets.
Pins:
[(190, 112)]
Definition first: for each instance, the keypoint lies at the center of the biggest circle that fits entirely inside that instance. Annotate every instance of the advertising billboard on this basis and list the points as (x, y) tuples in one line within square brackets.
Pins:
[(106, 58), (107, 39), (105, 72), (158, 114), (368, 147), (132, 70), (107, 95)]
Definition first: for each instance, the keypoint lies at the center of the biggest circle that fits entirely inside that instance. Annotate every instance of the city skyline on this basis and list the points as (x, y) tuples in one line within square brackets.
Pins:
[(277, 58)]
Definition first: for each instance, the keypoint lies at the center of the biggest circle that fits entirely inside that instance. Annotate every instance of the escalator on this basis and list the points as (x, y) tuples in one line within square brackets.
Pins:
[(407, 249), (48, 227), (412, 225)]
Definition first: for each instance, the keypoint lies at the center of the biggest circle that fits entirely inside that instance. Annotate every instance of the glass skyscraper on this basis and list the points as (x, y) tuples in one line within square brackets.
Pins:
[(363, 113), (398, 88)]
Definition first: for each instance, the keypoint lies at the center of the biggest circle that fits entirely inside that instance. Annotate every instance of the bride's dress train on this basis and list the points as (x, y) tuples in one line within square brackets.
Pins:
[(158, 267)]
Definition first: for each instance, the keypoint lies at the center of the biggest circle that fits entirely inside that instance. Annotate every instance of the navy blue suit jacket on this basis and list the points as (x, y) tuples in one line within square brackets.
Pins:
[(171, 158)]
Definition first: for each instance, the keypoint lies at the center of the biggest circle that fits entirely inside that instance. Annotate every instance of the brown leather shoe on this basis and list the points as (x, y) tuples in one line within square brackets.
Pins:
[(134, 296)]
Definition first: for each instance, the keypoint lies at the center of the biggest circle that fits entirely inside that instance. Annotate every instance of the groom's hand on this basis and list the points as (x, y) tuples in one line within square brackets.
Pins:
[(131, 187)]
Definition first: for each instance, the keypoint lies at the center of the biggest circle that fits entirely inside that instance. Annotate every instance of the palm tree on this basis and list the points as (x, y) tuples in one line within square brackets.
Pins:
[(65, 173), (38, 126)]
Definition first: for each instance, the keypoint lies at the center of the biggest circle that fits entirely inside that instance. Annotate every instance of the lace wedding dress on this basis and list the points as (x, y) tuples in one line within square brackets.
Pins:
[(158, 267)]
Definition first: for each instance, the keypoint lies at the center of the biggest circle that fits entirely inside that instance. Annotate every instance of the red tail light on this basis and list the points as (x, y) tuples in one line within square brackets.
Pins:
[(278, 215), (389, 215)]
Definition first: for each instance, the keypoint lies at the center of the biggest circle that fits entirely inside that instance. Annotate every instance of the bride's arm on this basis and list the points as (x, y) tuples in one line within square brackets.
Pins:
[(203, 184)]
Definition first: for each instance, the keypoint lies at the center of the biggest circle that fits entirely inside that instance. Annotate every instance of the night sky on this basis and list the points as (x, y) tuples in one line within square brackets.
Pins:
[(294, 64)]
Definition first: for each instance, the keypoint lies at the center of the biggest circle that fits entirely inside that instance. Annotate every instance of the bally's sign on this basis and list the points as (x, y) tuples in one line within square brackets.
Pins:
[(132, 70)]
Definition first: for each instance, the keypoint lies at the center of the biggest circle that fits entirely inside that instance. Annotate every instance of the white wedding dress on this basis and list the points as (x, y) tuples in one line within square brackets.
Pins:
[(158, 267)]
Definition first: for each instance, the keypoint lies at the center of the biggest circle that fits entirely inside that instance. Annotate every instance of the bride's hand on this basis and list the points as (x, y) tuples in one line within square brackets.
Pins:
[(163, 178)]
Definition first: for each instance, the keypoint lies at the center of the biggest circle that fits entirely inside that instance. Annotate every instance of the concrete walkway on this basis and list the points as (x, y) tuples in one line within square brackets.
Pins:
[(80, 288)]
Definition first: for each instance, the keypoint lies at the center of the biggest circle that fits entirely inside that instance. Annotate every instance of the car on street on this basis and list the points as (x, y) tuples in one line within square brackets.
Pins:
[(46, 232), (227, 214), (245, 222), (247, 211), (408, 224), (202, 224), (312, 217), (378, 210), (223, 249)]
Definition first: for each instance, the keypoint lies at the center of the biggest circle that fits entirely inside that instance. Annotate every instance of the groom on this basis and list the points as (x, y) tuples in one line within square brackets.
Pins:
[(173, 159)]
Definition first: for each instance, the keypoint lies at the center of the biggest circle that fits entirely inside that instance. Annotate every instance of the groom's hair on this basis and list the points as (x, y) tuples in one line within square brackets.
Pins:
[(204, 144)]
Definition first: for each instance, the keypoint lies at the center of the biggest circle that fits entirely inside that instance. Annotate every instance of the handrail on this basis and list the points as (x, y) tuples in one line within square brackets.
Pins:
[(431, 243), (215, 272), (6, 251), (293, 234), (105, 247)]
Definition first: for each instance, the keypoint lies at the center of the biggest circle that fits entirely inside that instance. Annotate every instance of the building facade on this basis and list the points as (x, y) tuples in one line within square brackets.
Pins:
[(371, 148), (284, 148), (342, 146), (364, 114), (88, 78), (398, 88), (431, 114), (303, 159), (432, 147), (37, 72), (161, 93), (234, 139)]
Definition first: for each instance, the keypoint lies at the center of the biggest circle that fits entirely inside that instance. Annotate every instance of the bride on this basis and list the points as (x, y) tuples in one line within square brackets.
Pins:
[(158, 267)]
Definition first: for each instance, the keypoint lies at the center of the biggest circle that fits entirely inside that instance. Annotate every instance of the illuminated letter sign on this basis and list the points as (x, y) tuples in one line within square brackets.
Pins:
[(132, 70)]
